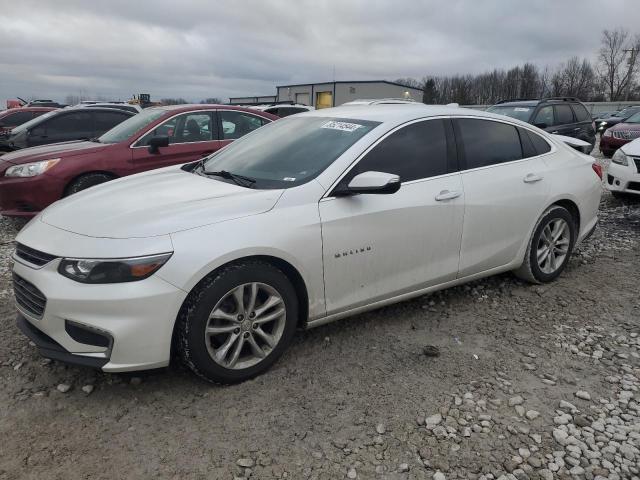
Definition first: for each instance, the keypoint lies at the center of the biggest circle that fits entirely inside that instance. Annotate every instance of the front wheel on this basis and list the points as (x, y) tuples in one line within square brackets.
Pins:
[(86, 181), (550, 246), (238, 322)]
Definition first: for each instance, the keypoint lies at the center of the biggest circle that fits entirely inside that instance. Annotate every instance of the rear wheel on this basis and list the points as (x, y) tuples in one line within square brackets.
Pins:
[(86, 181), (550, 246), (238, 323)]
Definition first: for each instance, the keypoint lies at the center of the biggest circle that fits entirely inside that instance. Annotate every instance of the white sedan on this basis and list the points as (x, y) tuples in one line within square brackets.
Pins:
[(623, 173), (304, 221)]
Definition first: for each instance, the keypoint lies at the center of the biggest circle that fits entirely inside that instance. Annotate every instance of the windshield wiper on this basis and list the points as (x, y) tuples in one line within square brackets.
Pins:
[(95, 140), (237, 179)]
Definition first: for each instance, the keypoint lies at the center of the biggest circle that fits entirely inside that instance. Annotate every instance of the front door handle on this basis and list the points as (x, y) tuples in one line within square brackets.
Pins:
[(555, 131), (531, 178), (577, 129), (447, 195)]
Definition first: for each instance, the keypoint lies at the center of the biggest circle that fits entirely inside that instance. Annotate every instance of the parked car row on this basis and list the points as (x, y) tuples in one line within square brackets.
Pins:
[(33, 178), (12, 118), (605, 121), (62, 125), (563, 116), (306, 220)]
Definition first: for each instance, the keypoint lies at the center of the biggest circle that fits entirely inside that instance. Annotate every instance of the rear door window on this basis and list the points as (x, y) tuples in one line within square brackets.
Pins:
[(105, 121), (539, 143), (15, 119), (564, 115), (581, 113), (236, 124), (487, 142), (544, 117)]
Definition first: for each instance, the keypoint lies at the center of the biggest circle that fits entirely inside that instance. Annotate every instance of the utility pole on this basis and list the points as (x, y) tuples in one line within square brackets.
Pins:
[(632, 63)]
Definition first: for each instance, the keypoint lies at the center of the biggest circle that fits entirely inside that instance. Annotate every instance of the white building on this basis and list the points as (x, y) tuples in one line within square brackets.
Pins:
[(332, 94)]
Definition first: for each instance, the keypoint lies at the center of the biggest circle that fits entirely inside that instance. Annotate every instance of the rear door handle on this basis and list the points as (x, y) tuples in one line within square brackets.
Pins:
[(577, 129), (447, 195), (531, 178)]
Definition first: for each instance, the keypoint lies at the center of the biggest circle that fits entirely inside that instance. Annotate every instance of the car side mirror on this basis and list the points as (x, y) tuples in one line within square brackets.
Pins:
[(156, 143), (379, 183), (541, 125)]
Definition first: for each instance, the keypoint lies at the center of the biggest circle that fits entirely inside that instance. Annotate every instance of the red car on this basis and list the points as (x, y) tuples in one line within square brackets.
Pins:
[(17, 116), (35, 177), (624, 132)]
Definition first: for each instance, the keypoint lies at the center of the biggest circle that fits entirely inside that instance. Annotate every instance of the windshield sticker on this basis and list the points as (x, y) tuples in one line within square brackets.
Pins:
[(520, 109), (342, 126)]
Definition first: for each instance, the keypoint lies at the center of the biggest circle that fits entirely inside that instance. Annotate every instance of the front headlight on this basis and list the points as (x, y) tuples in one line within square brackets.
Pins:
[(30, 169), (119, 270), (620, 158), (607, 133)]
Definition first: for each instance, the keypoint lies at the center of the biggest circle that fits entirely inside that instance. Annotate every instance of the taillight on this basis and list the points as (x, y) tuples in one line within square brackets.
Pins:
[(598, 169)]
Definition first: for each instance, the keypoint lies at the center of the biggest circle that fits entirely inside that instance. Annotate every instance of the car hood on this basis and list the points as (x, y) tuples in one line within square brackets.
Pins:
[(632, 148), (155, 203), (626, 126), (45, 152)]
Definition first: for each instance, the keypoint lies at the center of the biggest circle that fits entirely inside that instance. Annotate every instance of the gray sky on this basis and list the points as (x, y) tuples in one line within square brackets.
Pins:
[(217, 48)]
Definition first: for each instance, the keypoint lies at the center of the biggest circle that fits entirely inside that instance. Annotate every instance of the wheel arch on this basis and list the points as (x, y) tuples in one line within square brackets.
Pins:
[(76, 177), (572, 208), (286, 267)]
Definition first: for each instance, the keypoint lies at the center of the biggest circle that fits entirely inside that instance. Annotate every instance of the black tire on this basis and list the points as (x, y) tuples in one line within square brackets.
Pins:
[(530, 270), (192, 321), (86, 181)]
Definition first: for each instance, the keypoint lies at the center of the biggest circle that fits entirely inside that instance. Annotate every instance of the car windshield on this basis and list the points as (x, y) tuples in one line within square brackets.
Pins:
[(123, 131), (34, 121), (520, 112), (635, 118), (626, 112), (289, 152)]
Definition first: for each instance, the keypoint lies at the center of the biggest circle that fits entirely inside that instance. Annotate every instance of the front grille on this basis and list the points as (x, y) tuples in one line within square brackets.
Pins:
[(33, 256), (626, 134), (637, 160), (634, 186), (28, 297)]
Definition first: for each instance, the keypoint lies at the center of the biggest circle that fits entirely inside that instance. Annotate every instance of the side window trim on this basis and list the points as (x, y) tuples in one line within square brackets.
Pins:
[(451, 162)]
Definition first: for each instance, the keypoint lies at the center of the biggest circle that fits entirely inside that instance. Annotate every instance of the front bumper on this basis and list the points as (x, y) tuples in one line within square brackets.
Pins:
[(25, 197), (623, 178), (137, 317)]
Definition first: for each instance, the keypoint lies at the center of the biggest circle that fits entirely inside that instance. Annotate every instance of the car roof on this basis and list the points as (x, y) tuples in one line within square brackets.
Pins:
[(518, 103), (400, 113), (203, 106), (28, 109)]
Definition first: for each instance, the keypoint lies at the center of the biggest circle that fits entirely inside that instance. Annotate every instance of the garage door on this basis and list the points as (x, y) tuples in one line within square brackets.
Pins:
[(303, 99)]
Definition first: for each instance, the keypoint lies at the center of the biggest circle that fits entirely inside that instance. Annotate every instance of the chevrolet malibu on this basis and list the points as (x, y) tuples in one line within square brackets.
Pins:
[(307, 220)]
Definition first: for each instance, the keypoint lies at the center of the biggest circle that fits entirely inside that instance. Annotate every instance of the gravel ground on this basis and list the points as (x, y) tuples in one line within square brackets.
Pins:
[(534, 382)]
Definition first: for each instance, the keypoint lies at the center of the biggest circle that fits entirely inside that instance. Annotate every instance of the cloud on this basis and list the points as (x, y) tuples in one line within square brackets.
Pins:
[(198, 49)]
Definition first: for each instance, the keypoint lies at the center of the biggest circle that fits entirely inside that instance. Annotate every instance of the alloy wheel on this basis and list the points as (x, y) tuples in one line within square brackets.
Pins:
[(553, 245), (245, 325)]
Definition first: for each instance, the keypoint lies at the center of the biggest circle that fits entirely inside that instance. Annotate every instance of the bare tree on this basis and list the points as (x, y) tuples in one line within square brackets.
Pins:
[(617, 58)]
